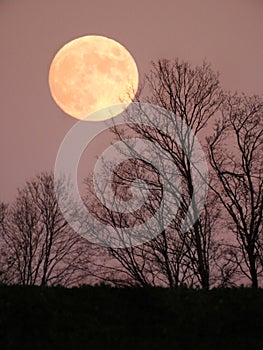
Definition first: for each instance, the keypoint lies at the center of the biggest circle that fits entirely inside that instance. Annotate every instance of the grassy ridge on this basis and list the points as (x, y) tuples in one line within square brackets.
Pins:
[(130, 318)]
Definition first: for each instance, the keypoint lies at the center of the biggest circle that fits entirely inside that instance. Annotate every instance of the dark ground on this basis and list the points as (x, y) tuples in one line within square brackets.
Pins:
[(130, 318)]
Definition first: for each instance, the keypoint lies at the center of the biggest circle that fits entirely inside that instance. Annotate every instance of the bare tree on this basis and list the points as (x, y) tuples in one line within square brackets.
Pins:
[(172, 258), (235, 152), (6, 261), (39, 246)]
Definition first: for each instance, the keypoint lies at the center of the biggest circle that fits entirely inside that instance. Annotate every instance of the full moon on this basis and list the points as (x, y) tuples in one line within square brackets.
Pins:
[(91, 73)]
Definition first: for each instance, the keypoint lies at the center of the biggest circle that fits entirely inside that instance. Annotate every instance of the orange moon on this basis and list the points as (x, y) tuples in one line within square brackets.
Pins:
[(91, 73)]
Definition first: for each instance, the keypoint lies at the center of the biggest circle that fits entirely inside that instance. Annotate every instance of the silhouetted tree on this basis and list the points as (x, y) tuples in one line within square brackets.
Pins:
[(172, 258), (235, 152), (5, 259), (40, 248)]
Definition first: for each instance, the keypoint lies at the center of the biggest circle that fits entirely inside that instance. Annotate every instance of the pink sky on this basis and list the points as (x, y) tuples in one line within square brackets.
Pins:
[(227, 33)]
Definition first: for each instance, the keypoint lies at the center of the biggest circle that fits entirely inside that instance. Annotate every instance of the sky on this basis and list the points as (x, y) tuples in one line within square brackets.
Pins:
[(227, 33)]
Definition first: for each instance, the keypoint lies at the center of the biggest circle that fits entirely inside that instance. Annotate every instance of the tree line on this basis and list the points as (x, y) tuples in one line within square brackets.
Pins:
[(222, 247)]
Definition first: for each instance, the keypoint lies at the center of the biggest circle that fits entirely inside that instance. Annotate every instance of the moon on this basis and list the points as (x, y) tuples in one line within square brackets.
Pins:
[(91, 73)]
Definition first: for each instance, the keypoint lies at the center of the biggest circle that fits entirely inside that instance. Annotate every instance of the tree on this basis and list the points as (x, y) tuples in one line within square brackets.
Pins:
[(235, 152), (40, 247), (195, 96), (5, 259)]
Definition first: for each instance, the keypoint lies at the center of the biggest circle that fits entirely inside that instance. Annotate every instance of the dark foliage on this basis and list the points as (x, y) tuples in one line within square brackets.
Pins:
[(130, 318)]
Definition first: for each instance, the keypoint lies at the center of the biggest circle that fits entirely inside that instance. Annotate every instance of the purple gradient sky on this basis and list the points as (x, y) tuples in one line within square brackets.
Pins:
[(227, 33)]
